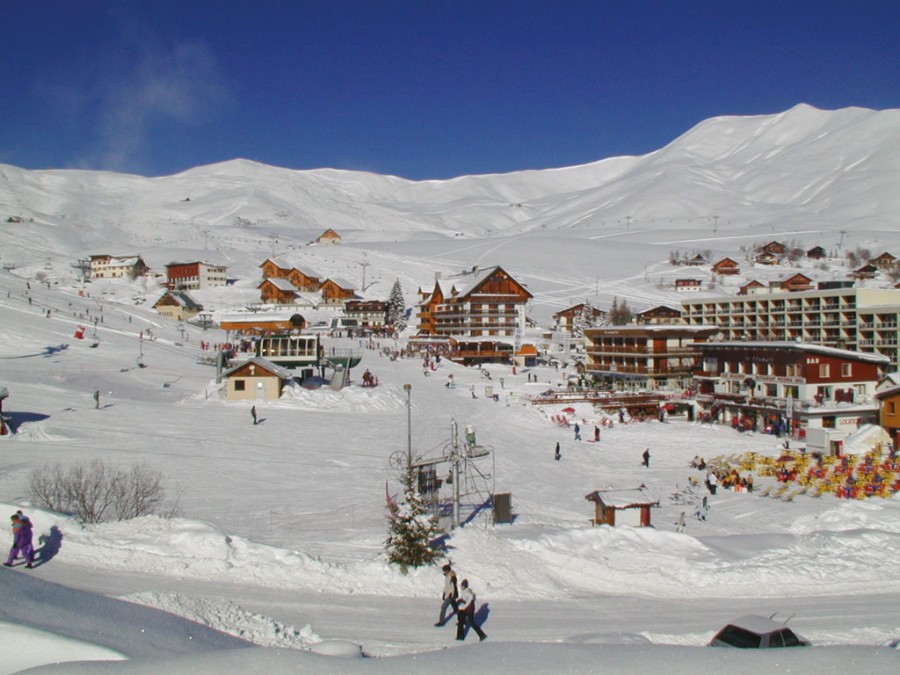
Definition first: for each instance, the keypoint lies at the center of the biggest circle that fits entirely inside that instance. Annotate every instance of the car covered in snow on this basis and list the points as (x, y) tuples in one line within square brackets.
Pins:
[(757, 632)]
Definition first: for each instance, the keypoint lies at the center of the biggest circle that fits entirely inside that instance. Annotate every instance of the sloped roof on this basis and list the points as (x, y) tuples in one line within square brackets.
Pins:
[(265, 364), (182, 298), (280, 283), (623, 499)]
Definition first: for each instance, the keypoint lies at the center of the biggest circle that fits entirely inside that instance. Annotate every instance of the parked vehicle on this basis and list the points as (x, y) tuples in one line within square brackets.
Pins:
[(757, 632)]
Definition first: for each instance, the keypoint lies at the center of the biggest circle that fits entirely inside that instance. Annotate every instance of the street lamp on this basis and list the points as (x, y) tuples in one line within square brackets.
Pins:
[(408, 389)]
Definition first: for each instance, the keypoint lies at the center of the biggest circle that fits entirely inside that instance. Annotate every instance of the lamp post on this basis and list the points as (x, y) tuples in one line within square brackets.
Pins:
[(408, 389)]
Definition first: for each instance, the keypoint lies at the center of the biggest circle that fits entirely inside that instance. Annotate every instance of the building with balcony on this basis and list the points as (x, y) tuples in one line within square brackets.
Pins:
[(195, 275), (481, 303), (856, 319), (782, 385), (104, 266), (640, 357)]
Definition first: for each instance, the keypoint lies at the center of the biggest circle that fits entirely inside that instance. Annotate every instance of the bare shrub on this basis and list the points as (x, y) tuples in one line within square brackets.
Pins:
[(97, 493)]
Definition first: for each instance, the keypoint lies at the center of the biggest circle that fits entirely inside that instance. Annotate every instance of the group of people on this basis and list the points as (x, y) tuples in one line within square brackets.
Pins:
[(458, 598), (22, 540)]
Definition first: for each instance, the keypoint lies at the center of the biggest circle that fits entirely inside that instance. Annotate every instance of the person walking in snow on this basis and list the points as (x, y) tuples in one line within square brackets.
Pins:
[(596, 434), (577, 432), (702, 510), (21, 541), (449, 595), (465, 613), (556, 455), (253, 414), (96, 398), (646, 457), (680, 524)]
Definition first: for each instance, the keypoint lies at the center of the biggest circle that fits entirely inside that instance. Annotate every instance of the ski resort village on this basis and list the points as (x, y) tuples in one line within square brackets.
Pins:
[(258, 418)]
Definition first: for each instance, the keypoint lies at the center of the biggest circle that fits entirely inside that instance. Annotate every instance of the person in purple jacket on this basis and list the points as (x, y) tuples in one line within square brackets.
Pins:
[(22, 540)]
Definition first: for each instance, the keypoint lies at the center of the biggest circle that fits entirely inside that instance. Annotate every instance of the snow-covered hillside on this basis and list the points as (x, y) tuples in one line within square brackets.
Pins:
[(807, 175)]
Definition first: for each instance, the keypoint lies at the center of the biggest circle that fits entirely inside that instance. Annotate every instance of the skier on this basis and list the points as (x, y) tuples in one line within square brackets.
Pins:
[(465, 613), (646, 457), (596, 434), (556, 456), (680, 524), (449, 595), (96, 399), (577, 432), (253, 414)]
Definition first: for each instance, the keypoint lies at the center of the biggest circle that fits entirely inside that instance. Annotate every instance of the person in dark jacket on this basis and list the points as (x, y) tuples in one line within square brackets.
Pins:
[(646, 457), (465, 612)]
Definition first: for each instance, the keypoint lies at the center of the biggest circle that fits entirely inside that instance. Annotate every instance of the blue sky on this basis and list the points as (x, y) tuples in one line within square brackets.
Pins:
[(420, 89)]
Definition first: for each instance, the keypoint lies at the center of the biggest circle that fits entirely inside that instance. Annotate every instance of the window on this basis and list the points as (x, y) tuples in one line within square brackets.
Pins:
[(890, 408), (824, 370), (846, 369), (239, 385)]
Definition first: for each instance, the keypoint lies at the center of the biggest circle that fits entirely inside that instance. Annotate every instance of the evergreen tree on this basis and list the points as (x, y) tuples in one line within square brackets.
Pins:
[(396, 308), (620, 314), (412, 529)]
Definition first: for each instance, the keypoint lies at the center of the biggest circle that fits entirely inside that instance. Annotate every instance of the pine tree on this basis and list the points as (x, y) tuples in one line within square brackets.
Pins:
[(396, 308), (412, 528)]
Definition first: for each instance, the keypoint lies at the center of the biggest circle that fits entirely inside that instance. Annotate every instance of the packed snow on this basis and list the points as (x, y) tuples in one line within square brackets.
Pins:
[(275, 557)]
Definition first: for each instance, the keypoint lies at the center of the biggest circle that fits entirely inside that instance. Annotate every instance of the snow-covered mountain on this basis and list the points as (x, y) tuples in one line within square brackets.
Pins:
[(813, 176)]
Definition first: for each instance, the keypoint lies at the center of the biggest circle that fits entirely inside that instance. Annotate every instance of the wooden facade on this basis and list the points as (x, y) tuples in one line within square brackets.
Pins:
[(774, 247), (329, 236), (884, 262), (796, 282), (278, 291), (256, 379), (726, 266), (481, 304), (335, 292), (658, 314), (644, 356), (304, 280)]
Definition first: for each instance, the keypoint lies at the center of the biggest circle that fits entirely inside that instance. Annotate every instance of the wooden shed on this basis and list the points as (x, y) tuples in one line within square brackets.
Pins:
[(629, 506)]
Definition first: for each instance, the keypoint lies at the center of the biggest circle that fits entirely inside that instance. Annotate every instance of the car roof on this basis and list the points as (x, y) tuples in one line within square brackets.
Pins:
[(756, 623)]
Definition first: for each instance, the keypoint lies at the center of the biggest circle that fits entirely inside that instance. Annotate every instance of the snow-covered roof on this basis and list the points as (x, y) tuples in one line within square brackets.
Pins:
[(799, 346), (624, 498), (273, 368), (281, 284)]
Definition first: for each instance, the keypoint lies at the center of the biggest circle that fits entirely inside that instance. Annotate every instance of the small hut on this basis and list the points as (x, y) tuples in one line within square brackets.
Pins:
[(622, 507)]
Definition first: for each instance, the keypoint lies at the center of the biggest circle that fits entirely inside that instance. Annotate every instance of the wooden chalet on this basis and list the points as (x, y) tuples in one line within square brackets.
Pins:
[(774, 247), (337, 291), (329, 236), (304, 279), (622, 507), (726, 267), (697, 261), (480, 303), (766, 258), (177, 305), (751, 287), (688, 285), (867, 271), (658, 314), (275, 269), (796, 282), (884, 262), (817, 253), (277, 290)]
